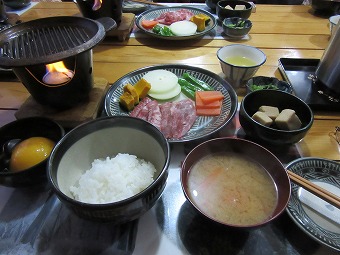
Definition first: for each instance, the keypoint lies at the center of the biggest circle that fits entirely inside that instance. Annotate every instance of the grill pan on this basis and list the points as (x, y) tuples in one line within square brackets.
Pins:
[(49, 40)]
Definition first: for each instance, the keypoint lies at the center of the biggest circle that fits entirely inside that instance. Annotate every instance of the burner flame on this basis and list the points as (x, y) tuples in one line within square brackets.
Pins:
[(96, 5), (57, 73)]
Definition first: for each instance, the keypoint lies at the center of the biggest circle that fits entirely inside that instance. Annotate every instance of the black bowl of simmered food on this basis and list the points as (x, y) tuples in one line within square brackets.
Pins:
[(236, 27), (233, 8), (25, 148), (275, 117), (112, 169), (235, 182), (265, 82)]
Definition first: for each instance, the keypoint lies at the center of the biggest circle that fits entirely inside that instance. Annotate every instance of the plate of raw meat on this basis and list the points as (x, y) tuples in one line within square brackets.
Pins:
[(159, 22), (176, 117)]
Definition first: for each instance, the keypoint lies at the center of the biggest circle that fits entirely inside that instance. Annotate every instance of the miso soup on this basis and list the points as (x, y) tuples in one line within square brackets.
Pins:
[(240, 61), (232, 189)]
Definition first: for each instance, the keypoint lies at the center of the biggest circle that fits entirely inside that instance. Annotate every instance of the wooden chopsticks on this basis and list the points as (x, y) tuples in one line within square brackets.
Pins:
[(146, 2), (315, 189)]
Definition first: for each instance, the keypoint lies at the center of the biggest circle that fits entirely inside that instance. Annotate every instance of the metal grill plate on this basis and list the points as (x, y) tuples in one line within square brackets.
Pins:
[(48, 40)]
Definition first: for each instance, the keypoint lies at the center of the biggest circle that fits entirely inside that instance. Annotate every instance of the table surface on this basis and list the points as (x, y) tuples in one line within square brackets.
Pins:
[(285, 31)]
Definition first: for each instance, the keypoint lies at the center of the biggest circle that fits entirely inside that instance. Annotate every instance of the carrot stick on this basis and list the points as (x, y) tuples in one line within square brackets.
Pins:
[(149, 24)]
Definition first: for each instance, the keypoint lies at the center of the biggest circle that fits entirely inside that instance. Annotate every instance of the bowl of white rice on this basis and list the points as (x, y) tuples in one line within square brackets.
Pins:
[(110, 169)]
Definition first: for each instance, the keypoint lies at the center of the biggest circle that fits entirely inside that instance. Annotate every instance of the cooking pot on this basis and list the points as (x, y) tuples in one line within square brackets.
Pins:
[(328, 69)]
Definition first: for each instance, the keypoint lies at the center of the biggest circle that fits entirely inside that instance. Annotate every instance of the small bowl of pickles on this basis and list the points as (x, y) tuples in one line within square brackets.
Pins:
[(236, 27), (264, 82)]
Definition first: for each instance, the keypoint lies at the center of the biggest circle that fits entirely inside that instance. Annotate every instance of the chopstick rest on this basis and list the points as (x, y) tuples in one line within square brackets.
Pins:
[(315, 189), (320, 205)]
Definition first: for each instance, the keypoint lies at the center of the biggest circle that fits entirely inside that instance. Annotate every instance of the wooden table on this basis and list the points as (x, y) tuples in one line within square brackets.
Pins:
[(279, 31)]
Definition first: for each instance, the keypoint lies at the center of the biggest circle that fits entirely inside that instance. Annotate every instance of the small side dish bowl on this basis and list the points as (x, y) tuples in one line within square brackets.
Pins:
[(97, 140), (264, 82), (236, 27), (20, 130), (325, 7), (219, 179), (226, 9), (240, 62), (251, 103)]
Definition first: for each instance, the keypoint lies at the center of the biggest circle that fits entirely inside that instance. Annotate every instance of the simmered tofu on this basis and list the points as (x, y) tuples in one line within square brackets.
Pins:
[(271, 111), (288, 120), (262, 118), (240, 7)]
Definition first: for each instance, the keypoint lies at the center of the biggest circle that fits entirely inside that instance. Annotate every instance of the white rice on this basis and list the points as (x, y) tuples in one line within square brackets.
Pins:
[(113, 179)]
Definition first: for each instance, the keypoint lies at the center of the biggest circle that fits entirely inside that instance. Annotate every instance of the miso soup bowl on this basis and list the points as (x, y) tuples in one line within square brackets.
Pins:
[(101, 138), (269, 163)]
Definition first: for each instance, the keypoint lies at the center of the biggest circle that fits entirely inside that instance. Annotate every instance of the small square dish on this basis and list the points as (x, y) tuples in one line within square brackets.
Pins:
[(300, 73)]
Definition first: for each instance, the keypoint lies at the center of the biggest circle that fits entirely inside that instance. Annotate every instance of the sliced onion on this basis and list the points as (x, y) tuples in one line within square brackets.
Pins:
[(162, 81), (183, 28), (168, 95)]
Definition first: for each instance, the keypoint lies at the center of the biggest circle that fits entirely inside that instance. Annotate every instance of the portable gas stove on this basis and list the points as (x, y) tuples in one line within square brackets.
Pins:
[(52, 57)]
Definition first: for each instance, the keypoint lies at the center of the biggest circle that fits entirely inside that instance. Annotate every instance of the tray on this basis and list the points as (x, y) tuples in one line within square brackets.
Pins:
[(34, 221), (300, 73)]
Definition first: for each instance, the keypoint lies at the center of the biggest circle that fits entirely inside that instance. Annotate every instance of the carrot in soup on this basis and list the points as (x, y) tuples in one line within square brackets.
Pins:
[(211, 178)]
